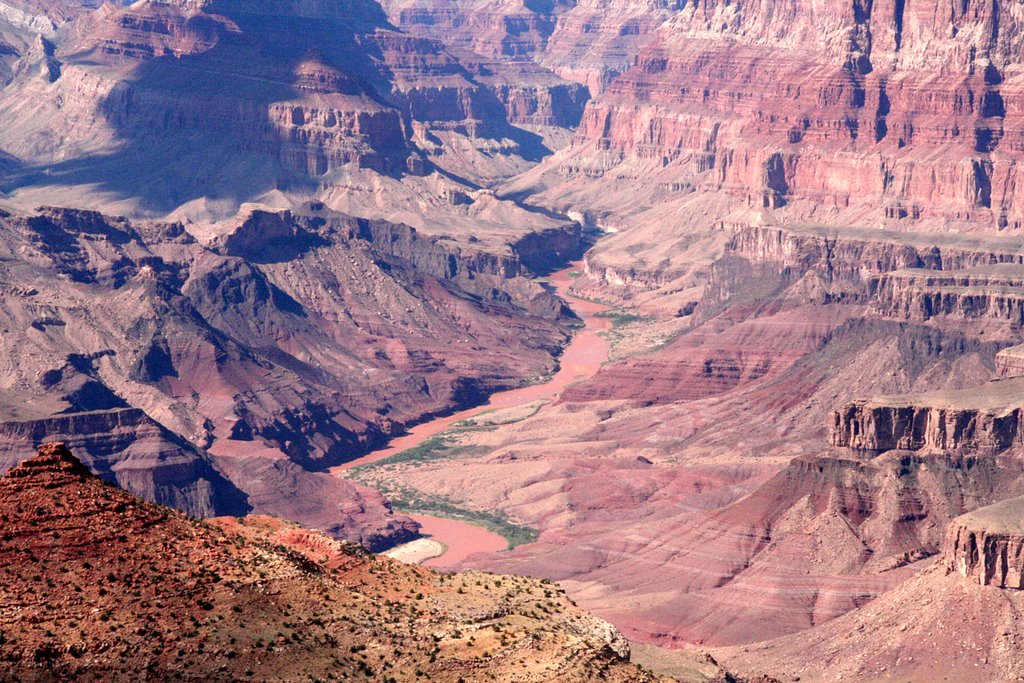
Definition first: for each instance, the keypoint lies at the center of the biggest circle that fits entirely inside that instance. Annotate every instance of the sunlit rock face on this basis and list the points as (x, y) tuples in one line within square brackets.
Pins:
[(913, 108)]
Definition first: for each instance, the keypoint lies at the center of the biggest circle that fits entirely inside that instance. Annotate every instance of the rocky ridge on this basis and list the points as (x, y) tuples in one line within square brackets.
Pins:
[(132, 587), (296, 101)]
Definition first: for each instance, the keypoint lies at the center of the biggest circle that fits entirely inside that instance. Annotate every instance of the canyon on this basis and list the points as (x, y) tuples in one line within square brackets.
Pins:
[(709, 313), (822, 310), (226, 373)]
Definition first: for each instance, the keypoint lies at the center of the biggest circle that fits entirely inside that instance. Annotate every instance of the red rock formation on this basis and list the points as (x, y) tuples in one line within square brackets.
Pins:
[(313, 112), (637, 484), (530, 94), (52, 460), (853, 253), (509, 30), (931, 627), (985, 419), (987, 545), (823, 537), (97, 585), (820, 117), (828, 106)]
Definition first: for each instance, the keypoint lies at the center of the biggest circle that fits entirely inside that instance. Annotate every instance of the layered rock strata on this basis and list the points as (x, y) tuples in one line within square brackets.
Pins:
[(986, 419), (991, 292), (286, 342), (588, 42), (1010, 361), (687, 135), (933, 626), (905, 276), (853, 115), (127, 447), (859, 253), (291, 99), (987, 545)]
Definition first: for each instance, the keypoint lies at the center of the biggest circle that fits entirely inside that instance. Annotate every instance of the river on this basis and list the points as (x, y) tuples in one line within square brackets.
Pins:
[(584, 355)]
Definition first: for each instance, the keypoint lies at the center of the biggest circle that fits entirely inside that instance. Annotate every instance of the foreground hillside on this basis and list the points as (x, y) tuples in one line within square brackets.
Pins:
[(96, 584)]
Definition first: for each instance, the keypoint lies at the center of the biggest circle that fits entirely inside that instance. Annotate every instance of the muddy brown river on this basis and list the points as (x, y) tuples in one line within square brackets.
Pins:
[(580, 360)]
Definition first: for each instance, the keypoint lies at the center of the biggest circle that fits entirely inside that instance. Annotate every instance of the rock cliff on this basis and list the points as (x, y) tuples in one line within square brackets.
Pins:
[(805, 204), (952, 619), (211, 104), (842, 121), (857, 253), (985, 419), (905, 276), (587, 42), (688, 136), (987, 545), (1010, 361), (988, 292)]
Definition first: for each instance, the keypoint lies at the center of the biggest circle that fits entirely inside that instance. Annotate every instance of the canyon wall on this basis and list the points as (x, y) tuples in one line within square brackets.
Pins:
[(987, 546), (991, 293), (812, 203), (827, 107), (128, 448), (217, 103), (589, 42), (904, 276), (957, 616), (853, 252), (969, 420), (1010, 362), (194, 372)]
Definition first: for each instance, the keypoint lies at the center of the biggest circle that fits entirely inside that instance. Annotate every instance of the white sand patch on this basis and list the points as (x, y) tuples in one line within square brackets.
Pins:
[(418, 551)]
